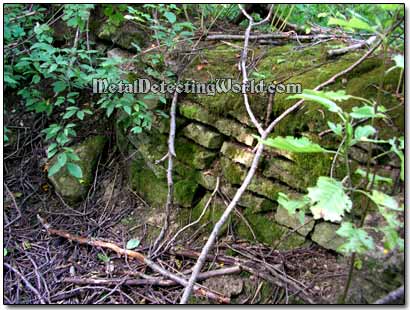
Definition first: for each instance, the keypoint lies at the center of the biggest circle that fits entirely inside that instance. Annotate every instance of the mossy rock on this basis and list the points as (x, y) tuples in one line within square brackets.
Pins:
[(237, 153), (249, 200), (203, 136), (268, 231), (184, 191), (212, 214), (150, 146), (144, 181), (325, 235), (292, 221), (235, 174), (302, 172), (228, 127), (124, 35), (192, 154), (70, 187)]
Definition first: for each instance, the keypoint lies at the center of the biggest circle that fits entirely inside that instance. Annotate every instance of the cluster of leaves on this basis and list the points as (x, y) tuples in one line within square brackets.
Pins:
[(329, 199), (70, 71)]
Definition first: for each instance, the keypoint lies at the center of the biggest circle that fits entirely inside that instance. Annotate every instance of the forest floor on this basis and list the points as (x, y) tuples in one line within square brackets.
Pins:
[(43, 268)]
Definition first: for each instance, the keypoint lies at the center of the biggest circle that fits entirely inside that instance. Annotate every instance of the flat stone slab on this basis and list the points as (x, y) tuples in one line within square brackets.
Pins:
[(203, 136)]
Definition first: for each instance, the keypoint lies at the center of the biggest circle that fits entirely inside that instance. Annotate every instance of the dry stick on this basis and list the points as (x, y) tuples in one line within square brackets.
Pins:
[(154, 281), (201, 260), (391, 297), (171, 154), (27, 283), (251, 172), (277, 279), (135, 255), (344, 50), (275, 36)]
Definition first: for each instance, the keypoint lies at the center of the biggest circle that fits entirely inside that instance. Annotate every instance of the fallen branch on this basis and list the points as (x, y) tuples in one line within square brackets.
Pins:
[(171, 154), (154, 281), (279, 36), (392, 297), (344, 50), (255, 268), (199, 291)]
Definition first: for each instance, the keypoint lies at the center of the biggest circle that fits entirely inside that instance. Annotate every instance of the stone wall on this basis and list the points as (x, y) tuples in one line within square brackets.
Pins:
[(215, 139)]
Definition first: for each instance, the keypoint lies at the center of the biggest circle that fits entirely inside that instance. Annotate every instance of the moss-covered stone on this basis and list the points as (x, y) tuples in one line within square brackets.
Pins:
[(203, 136), (283, 217), (249, 200), (267, 230), (325, 235), (232, 172), (192, 154), (195, 112), (300, 173), (235, 174), (124, 35), (144, 181), (212, 214), (237, 153), (70, 187), (150, 146), (184, 191), (225, 126)]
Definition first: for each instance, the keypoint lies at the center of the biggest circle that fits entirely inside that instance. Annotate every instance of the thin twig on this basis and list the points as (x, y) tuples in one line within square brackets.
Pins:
[(200, 291), (27, 283)]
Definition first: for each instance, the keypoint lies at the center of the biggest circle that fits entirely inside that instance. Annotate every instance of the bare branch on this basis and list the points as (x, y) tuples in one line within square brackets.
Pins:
[(200, 291)]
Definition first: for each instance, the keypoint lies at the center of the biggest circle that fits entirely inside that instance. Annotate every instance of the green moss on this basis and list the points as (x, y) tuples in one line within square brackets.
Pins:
[(234, 174), (192, 154), (185, 192), (237, 153), (148, 185), (213, 213), (267, 230)]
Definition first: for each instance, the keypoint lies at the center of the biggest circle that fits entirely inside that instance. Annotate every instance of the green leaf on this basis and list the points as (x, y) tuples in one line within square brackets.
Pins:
[(136, 129), (292, 144), (377, 178), (399, 60), (73, 156), (358, 240), (59, 86), (398, 151), (102, 257), (382, 199), (353, 23), (69, 113), (323, 98), (392, 239), (80, 115), (171, 17), (127, 109), (75, 170), (292, 205), (365, 111), (336, 128), (61, 161), (364, 132), (5, 252), (329, 200), (132, 244)]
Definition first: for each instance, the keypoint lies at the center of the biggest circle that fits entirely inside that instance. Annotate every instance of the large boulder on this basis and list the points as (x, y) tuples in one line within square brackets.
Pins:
[(70, 187)]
